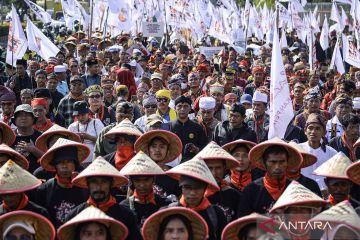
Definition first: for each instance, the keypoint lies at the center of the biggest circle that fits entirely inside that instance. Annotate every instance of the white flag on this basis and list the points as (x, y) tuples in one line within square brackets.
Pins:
[(40, 13), (39, 43), (336, 59), (351, 54), (283, 41), (324, 36), (281, 111), (17, 43)]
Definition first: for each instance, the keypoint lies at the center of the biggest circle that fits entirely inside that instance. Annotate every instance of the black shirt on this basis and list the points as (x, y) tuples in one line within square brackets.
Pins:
[(32, 207), (338, 144), (223, 133), (59, 201), (310, 184), (56, 97), (33, 163)]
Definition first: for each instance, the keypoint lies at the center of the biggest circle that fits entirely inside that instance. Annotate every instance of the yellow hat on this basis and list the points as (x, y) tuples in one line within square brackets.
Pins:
[(163, 93)]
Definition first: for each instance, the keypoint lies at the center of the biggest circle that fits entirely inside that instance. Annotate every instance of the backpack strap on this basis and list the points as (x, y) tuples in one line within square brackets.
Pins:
[(213, 218)]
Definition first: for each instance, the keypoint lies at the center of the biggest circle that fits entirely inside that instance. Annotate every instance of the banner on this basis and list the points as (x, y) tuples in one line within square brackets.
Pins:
[(40, 13), (209, 52), (352, 55), (153, 29)]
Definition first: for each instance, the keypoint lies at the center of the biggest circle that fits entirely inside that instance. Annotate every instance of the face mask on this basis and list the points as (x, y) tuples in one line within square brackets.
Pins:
[(183, 86)]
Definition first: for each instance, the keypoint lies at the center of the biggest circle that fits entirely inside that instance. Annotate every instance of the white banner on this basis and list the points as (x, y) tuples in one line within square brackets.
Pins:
[(153, 29), (352, 55), (209, 52)]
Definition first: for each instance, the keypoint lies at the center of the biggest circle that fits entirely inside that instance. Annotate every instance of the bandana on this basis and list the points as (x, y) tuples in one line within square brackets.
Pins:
[(145, 199), (293, 176), (23, 203), (43, 127), (333, 202), (102, 206), (123, 155), (240, 179), (202, 206), (64, 183), (210, 192), (273, 187)]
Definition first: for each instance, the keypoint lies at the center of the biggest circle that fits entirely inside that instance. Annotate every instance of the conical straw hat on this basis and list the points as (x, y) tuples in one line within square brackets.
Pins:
[(141, 165), (82, 149), (92, 214), (42, 226), (150, 230), (308, 158), (335, 167), (213, 151), (100, 167), (8, 135), (231, 231), (357, 143), (256, 153), (195, 168), (174, 143), (42, 141), (124, 127), (15, 179), (14, 155), (341, 213), (231, 145), (353, 172), (297, 194)]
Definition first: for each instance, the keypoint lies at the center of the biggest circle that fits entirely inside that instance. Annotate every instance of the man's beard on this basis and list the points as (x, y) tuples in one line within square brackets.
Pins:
[(99, 196)]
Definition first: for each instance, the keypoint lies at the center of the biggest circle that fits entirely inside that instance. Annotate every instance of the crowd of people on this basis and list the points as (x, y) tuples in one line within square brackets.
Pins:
[(127, 138)]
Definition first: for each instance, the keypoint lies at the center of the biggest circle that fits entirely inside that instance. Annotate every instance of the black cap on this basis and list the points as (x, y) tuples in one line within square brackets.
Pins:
[(80, 107), (183, 99), (42, 93)]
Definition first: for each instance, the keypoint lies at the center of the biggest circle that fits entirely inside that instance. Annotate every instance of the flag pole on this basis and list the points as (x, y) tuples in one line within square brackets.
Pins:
[(91, 19), (247, 27)]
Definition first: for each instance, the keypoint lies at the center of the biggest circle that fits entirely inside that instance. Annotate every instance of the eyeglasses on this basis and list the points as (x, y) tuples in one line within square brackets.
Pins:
[(162, 100), (95, 96), (150, 106), (22, 237)]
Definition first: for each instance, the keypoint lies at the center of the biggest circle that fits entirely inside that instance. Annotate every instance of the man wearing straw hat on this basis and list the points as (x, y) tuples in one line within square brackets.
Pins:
[(99, 178), (219, 161), (7, 153), (57, 194), (142, 171), (194, 178), (336, 180), (276, 157), (15, 181)]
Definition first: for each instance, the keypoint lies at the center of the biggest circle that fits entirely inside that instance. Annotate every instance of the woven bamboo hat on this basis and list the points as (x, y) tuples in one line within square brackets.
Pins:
[(124, 127), (213, 151), (256, 153), (141, 165), (31, 221), (308, 158), (195, 168), (150, 230), (357, 143), (232, 145), (92, 214), (335, 167), (297, 195), (15, 179), (341, 213), (353, 172), (8, 135), (174, 143), (101, 168), (82, 152), (42, 141), (14, 155)]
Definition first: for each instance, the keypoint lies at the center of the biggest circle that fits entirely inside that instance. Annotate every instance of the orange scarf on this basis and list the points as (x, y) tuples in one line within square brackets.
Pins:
[(202, 206), (240, 179), (333, 202), (102, 206), (274, 187), (351, 149), (145, 199), (123, 155), (44, 127), (293, 176), (209, 191), (64, 183), (23, 203)]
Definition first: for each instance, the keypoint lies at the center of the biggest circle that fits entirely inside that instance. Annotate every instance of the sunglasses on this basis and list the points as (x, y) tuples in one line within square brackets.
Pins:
[(95, 96), (150, 106), (162, 100)]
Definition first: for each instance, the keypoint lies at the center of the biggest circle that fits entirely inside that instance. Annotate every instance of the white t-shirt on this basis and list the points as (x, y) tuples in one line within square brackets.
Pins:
[(93, 128), (321, 158)]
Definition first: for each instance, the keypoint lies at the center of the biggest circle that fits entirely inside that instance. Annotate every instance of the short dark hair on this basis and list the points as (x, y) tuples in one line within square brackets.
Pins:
[(85, 224), (242, 234), (276, 149), (182, 218), (349, 86), (350, 118), (238, 107)]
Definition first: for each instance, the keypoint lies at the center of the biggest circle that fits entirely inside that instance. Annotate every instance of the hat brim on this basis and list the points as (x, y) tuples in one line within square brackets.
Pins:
[(15, 156), (118, 180), (150, 230), (353, 172), (177, 175), (45, 160), (42, 141), (308, 160), (232, 145), (44, 228), (304, 203), (174, 143), (8, 135), (256, 153)]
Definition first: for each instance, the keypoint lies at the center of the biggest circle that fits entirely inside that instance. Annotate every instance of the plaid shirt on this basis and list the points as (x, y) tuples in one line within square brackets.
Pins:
[(65, 108)]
